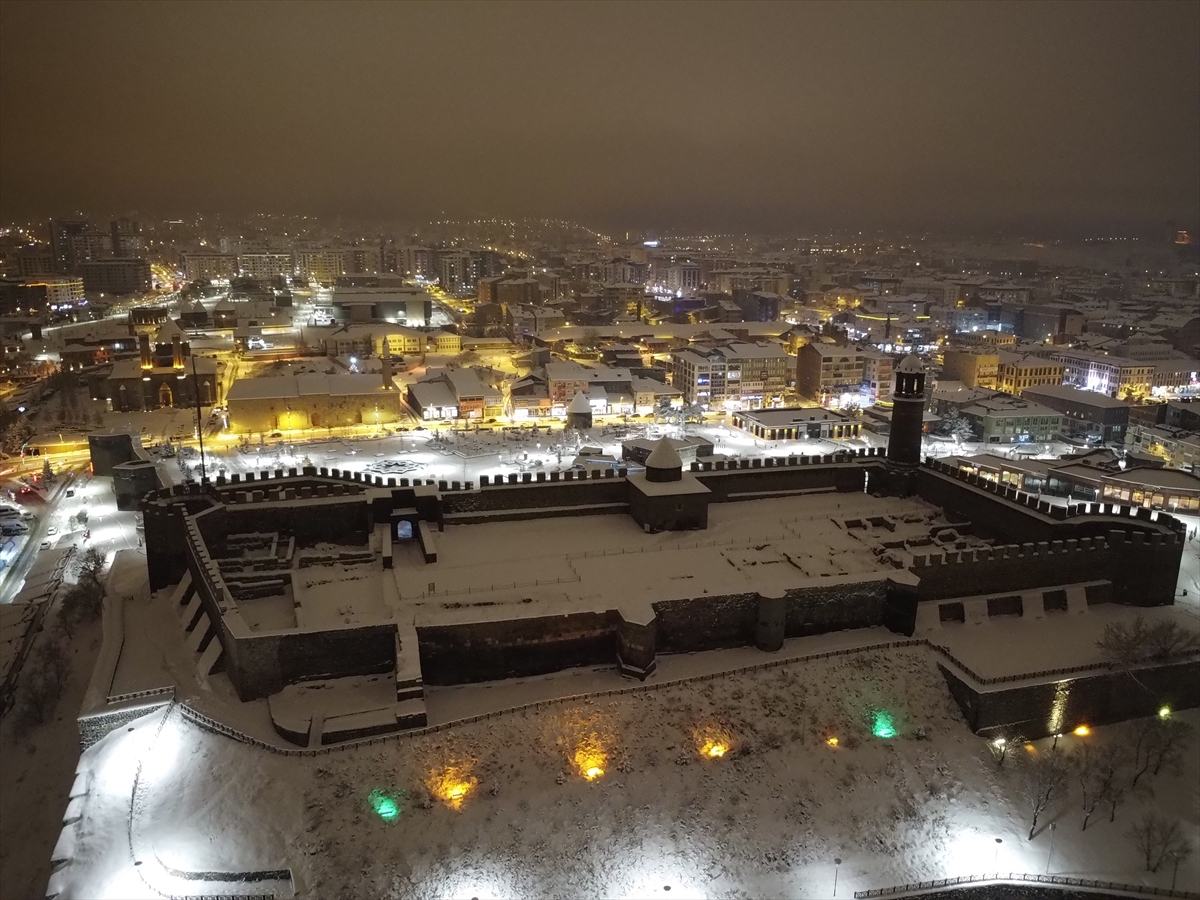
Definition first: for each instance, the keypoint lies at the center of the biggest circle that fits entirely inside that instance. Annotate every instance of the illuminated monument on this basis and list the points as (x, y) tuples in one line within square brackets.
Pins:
[(288, 576)]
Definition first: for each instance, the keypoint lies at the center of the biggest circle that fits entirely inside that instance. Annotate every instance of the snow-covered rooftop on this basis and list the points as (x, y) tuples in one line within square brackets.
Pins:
[(664, 456), (600, 562)]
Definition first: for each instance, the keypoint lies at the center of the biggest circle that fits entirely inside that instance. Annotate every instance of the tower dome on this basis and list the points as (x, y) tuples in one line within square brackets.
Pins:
[(664, 463)]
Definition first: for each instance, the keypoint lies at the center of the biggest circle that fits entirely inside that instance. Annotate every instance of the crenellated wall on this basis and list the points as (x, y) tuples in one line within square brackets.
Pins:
[(1138, 551), (1041, 546), (1141, 567), (749, 479)]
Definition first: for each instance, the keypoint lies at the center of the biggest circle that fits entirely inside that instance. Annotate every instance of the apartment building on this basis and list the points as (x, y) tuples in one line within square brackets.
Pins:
[(207, 265), (830, 373), (265, 265), (1178, 448), (1088, 415), (1018, 371), (115, 276), (1117, 376), (877, 376), (733, 376), (973, 367), (319, 265), (1011, 420)]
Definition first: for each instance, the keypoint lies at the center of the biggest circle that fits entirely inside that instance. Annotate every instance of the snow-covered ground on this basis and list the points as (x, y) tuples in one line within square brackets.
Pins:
[(590, 561), (503, 807), (468, 454)]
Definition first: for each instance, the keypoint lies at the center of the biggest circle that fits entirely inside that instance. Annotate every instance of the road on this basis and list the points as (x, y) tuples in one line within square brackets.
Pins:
[(14, 575)]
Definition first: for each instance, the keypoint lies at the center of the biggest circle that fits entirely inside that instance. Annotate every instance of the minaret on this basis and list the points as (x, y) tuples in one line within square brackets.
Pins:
[(908, 411), (385, 365)]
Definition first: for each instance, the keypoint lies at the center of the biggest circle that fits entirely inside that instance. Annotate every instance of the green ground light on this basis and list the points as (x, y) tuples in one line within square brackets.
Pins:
[(883, 725), (386, 806)]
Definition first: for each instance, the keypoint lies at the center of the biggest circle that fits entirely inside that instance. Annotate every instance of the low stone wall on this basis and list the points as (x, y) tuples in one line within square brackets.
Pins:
[(97, 725), (835, 605), (510, 648), (1039, 710), (784, 475), (537, 494), (334, 520), (261, 664), (713, 622), (707, 622)]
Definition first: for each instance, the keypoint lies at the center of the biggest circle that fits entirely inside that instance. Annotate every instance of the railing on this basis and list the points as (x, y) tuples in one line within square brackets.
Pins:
[(1057, 880), (138, 695)]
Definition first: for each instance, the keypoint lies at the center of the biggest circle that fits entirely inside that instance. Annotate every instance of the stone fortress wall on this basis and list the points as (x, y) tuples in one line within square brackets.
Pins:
[(186, 528)]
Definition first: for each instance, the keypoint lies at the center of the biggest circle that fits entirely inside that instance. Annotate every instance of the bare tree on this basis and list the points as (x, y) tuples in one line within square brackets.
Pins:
[(1158, 840), (1097, 769), (1002, 747), (43, 679), (1043, 777), (1124, 645), (1167, 746), (84, 600), (1127, 645), (88, 566), (1167, 639)]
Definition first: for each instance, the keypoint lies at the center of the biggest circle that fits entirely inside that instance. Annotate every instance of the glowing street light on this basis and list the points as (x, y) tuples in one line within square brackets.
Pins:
[(1082, 731)]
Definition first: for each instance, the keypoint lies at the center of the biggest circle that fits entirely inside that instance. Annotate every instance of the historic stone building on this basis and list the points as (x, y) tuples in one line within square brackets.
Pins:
[(287, 576)]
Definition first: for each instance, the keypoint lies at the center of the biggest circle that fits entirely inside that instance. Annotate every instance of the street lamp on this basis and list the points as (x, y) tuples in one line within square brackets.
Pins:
[(199, 421), (837, 864)]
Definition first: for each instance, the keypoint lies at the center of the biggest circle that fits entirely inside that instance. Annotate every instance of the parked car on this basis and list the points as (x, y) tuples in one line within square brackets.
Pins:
[(45, 545)]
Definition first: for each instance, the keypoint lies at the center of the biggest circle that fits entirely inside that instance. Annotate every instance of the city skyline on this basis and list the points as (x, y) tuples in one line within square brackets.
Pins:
[(768, 119)]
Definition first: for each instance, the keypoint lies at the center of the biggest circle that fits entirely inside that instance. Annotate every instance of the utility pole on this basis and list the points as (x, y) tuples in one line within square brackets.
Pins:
[(199, 420)]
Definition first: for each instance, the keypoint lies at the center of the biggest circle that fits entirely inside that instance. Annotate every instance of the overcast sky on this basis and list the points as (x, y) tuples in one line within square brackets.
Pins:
[(1074, 116)]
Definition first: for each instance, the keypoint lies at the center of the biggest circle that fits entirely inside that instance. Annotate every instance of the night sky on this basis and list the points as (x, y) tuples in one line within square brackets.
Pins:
[(1077, 117)]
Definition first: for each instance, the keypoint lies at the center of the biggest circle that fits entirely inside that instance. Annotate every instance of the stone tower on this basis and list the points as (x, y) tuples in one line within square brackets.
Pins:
[(904, 440), (579, 413)]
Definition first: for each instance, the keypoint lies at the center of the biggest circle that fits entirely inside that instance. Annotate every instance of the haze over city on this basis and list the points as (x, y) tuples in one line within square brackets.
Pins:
[(617, 450), (1030, 118)]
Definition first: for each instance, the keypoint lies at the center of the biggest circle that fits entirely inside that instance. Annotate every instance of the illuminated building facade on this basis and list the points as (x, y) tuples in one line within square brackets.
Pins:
[(735, 376), (1116, 376), (1016, 372)]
